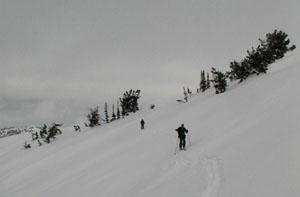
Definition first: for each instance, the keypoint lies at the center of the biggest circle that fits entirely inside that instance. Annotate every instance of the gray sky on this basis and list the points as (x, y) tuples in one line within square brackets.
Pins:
[(60, 57)]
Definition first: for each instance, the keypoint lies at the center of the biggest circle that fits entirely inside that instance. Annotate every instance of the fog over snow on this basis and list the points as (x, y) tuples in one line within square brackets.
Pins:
[(61, 57)]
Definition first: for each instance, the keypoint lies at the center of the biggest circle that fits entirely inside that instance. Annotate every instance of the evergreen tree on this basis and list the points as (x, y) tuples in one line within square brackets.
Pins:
[(118, 111), (276, 45), (94, 117), (106, 113), (113, 116), (239, 71), (44, 131), (123, 112), (53, 131), (129, 102), (203, 82), (190, 93), (207, 81), (185, 95), (219, 80), (257, 60)]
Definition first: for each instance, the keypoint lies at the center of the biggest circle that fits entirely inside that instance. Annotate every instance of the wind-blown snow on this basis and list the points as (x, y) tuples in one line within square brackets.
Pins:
[(244, 142)]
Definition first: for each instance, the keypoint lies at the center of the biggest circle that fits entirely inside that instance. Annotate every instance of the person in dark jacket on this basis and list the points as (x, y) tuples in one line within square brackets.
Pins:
[(142, 124), (181, 135)]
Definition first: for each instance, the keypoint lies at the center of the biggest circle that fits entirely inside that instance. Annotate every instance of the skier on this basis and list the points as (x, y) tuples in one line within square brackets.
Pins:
[(142, 124), (181, 135)]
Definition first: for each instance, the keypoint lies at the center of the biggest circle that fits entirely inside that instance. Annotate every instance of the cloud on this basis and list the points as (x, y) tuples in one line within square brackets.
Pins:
[(45, 111), (58, 58)]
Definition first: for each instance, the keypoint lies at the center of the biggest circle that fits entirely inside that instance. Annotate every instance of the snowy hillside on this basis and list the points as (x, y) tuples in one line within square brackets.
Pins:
[(245, 143)]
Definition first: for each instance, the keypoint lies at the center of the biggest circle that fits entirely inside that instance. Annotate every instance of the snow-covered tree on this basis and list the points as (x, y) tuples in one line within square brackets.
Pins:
[(53, 131), (44, 131), (207, 81)]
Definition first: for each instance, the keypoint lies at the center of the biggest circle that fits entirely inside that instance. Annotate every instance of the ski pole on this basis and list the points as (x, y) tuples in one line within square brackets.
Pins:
[(176, 146), (189, 139)]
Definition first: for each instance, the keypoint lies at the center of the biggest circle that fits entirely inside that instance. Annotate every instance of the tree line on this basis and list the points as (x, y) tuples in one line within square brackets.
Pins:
[(128, 104), (257, 61)]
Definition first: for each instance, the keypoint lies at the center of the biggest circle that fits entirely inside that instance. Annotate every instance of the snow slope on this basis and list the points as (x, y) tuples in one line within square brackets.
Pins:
[(245, 142)]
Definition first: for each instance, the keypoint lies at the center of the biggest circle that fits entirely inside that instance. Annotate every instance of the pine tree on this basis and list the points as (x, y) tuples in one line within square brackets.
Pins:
[(257, 60), (185, 95), (207, 81), (239, 71), (203, 81), (118, 111), (53, 131), (219, 81), (44, 131), (94, 117), (129, 102), (276, 45), (190, 93), (106, 113), (123, 112), (113, 116)]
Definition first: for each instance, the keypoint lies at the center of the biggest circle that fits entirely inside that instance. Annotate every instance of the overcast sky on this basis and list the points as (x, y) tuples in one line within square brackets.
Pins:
[(60, 57)]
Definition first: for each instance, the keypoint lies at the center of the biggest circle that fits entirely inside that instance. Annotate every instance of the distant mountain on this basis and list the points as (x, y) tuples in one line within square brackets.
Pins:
[(15, 131)]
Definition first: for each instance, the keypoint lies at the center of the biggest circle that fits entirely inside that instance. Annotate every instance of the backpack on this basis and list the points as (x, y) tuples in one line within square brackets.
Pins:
[(181, 132)]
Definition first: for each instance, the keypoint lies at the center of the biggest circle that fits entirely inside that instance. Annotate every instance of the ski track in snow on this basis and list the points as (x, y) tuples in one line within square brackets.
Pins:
[(214, 178), (212, 170)]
